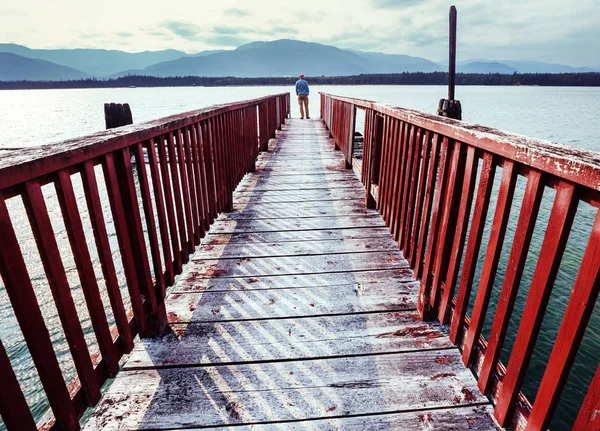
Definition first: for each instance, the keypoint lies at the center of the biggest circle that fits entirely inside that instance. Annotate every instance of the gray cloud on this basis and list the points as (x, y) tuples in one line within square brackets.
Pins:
[(227, 40), (183, 29), (237, 12), (277, 31), (395, 4), (125, 34)]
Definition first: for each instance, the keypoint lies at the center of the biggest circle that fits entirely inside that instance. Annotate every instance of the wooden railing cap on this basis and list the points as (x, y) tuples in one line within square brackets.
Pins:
[(19, 166), (569, 163)]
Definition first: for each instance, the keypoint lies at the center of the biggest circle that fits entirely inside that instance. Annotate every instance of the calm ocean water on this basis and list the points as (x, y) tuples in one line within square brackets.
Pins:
[(565, 115)]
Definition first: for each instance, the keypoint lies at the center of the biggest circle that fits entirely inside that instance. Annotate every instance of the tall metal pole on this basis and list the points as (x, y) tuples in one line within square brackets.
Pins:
[(452, 59)]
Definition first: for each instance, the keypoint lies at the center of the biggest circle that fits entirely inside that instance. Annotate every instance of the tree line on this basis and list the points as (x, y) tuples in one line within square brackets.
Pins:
[(405, 78)]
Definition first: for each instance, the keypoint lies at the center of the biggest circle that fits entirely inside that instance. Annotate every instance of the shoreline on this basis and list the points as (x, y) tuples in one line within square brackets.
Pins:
[(591, 79)]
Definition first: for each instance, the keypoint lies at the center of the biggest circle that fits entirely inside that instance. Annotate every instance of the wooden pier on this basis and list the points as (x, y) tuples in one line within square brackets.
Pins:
[(272, 280), (297, 307)]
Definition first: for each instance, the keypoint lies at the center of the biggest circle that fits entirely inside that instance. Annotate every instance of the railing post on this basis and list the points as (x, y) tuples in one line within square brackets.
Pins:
[(351, 131)]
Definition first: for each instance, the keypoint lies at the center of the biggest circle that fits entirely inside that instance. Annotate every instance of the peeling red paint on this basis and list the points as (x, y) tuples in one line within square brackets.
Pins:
[(442, 375)]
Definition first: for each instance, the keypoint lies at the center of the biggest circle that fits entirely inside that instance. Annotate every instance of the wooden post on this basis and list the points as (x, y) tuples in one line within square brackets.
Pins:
[(449, 107), (117, 115), (452, 57)]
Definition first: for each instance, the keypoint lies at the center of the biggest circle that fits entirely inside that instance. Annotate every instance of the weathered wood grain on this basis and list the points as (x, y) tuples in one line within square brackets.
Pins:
[(298, 248), (297, 311), (349, 207), (287, 224), (472, 418), (189, 282), (237, 304), (186, 397), (287, 265), (286, 339), (298, 196), (299, 235)]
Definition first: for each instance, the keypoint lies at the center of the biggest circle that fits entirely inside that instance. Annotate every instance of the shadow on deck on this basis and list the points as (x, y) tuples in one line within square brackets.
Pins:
[(297, 311)]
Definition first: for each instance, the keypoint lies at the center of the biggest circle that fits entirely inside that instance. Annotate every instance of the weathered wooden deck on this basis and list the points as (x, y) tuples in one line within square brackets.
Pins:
[(297, 311)]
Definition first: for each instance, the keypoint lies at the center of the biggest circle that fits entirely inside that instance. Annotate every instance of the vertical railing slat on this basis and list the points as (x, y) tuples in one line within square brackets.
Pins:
[(135, 230), (119, 219), (416, 156), (166, 183), (414, 238), (85, 269), (492, 259), (482, 201), (90, 186), (424, 294), (589, 417), (45, 238), (180, 141), (28, 313), (553, 246), (512, 278), (447, 221), (208, 165), (575, 320), (176, 187), (13, 406), (149, 216), (462, 222), (199, 178), (428, 204), (401, 141)]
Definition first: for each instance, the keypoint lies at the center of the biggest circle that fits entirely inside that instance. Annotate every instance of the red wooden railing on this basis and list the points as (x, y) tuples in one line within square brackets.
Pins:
[(420, 171), (187, 168)]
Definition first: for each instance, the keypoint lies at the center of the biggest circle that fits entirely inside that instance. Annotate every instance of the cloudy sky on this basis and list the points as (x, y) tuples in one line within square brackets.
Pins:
[(559, 31)]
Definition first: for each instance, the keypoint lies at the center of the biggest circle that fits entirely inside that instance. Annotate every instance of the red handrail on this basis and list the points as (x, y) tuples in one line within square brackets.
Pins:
[(195, 160), (420, 171)]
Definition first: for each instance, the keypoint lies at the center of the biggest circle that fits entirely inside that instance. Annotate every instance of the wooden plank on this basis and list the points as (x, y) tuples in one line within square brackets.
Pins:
[(297, 209), (472, 418), (213, 306), (288, 339), (291, 235), (299, 195), (292, 224), (293, 390), (291, 248), (287, 265), (189, 282), (261, 188)]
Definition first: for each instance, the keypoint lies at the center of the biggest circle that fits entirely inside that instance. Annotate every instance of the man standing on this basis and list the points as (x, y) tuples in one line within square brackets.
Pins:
[(302, 93)]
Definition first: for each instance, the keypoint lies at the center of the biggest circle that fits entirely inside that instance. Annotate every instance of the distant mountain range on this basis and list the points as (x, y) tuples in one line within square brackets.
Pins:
[(257, 59)]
